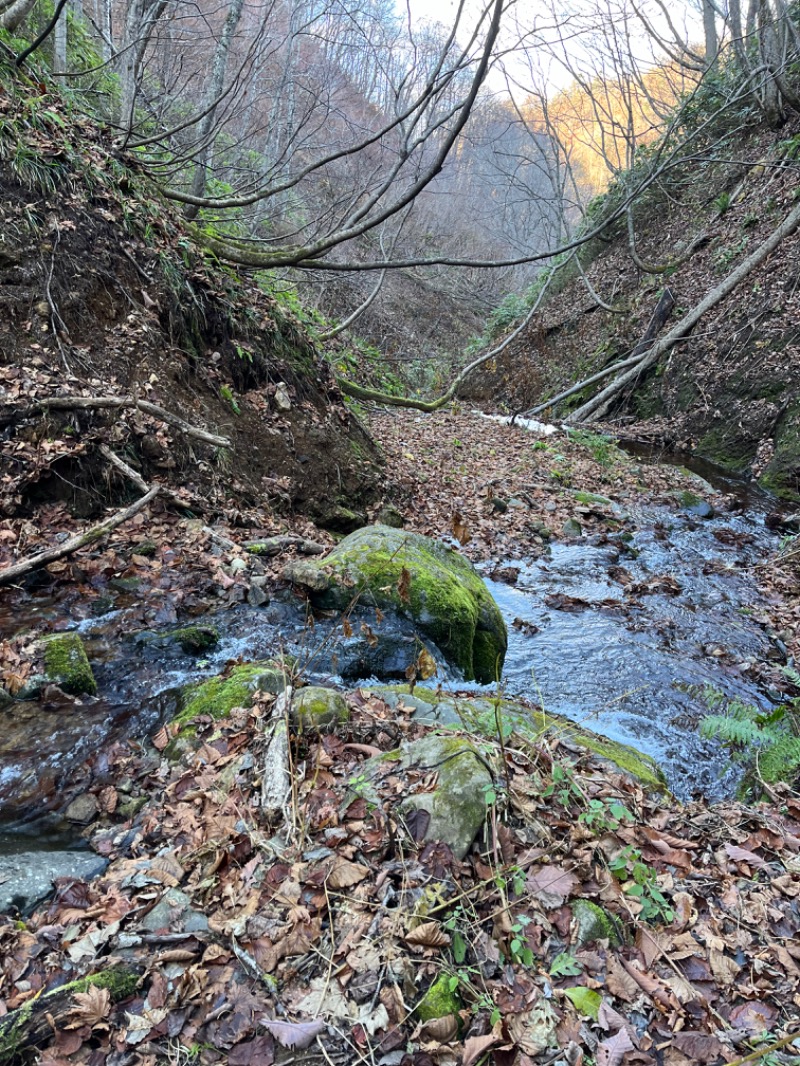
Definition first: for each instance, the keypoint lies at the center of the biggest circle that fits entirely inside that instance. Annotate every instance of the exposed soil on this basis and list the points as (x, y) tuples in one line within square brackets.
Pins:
[(102, 292)]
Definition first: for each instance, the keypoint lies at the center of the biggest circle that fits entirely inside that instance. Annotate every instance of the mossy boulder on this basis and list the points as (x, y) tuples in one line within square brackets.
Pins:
[(440, 1001), (457, 805), (67, 666), (194, 640), (480, 715), (319, 708), (445, 597), (219, 695), (590, 922)]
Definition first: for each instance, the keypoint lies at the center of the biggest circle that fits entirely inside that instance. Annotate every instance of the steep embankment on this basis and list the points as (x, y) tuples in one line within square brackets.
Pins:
[(731, 390), (104, 293)]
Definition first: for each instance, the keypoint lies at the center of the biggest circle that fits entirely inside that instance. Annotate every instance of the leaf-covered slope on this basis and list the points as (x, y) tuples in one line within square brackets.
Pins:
[(732, 389), (103, 291)]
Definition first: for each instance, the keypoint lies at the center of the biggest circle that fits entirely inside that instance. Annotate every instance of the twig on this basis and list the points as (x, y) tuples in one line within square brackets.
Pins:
[(756, 1055), (136, 478), (139, 270), (80, 540), (56, 320)]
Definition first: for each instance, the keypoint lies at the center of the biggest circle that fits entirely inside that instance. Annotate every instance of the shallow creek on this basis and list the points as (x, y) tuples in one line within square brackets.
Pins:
[(617, 635)]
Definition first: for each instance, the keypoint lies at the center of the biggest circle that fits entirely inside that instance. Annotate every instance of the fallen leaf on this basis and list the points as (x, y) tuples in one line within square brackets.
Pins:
[(298, 1035)]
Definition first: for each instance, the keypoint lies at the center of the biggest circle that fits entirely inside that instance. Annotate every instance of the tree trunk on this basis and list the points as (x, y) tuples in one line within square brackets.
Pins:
[(13, 13), (206, 127)]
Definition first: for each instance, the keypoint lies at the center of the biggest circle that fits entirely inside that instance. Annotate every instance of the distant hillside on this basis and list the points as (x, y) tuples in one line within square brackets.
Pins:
[(731, 390)]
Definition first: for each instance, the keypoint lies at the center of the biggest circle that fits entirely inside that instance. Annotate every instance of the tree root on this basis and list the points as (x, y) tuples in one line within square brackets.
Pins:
[(10, 413)]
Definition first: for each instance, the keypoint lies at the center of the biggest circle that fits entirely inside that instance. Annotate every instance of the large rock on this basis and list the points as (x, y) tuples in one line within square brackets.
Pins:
[(26, 877), (457, 805), (445, 595), (480, 715)]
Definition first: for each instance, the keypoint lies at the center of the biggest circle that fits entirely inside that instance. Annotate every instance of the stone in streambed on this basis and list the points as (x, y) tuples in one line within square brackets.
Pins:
[(26, 878), (67, 666), (440, 590), (319, 708)]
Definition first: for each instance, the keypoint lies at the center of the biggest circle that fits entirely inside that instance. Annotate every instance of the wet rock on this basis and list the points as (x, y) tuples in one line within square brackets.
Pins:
[(341, 519), (26, 878), (6, 699), (82, 810), (498, 505), (418, 578), (572, 528), (256, 596), (125, 584), (455, 810), (219, 695), (192, 640), (695, 506), (67, 666), (390, 516), (319, 708)]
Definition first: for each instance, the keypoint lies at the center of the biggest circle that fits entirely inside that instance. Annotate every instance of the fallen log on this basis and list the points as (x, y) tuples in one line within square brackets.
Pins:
[(598, 406), (33, 1024)]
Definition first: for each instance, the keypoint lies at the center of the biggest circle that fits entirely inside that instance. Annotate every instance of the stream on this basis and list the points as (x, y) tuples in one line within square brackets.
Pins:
[(616, 632)]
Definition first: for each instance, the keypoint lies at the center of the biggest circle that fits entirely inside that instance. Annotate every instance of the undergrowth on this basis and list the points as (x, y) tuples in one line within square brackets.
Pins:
[(768, 742)]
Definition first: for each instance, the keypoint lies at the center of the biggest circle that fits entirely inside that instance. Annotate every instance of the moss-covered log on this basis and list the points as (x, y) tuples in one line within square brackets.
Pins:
[(31, 1025)]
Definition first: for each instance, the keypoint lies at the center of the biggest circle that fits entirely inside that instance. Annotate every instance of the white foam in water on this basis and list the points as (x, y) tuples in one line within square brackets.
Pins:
[(542, 429)]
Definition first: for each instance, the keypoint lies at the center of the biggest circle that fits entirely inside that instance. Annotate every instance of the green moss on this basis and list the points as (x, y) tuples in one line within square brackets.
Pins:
[(724, 447), (782, 475), (66, 664), (439, 1001), (219, 695), (591, 923), (196, 639), (446, 596), (319, 708), (591, 499), (14, 1027), (480, 715), (688, 499)]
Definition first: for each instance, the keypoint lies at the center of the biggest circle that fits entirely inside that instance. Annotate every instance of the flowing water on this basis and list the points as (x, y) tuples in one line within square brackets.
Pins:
[(621, 636)]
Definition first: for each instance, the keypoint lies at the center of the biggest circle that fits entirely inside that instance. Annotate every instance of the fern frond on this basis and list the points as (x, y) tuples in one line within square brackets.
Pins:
[(741, 731), (781, 761)]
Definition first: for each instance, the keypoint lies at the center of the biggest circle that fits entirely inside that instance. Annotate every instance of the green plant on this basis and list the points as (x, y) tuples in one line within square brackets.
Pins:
[(565, 965), (722, 203), (227, 395), (603, 449), (640, 881), (769, 740), (518, 947), (602, 815), (463, 981), (563, 787)]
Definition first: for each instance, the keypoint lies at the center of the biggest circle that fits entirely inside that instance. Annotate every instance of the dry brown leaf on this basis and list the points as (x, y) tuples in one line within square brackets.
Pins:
[(426, 664), (344, 874), (551, 885), (404, 585), (442, 1030), (91, 1008), (612, 1051), (460, 529), (428, 935)]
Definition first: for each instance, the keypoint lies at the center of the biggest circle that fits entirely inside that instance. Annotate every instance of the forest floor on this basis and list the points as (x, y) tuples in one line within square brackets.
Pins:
[(314, 941)]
